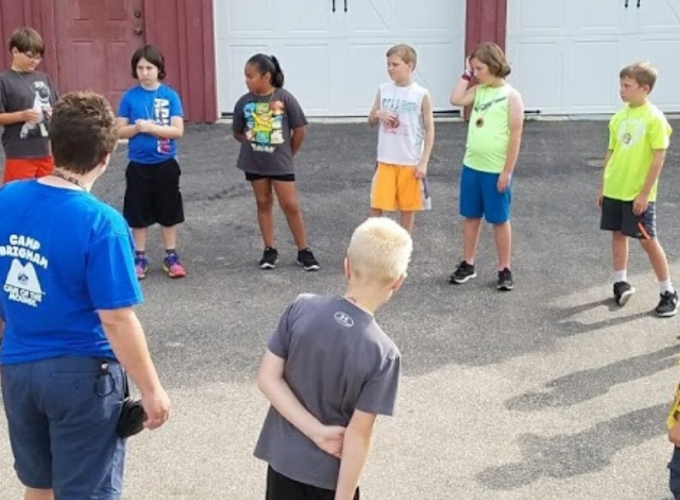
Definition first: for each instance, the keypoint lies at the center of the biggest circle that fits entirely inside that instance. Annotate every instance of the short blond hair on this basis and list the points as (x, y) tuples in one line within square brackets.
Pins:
[(642, 72), (405, 52), (379, 251)]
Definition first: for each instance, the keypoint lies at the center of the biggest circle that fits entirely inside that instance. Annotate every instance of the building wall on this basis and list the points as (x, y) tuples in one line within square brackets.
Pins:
[(182, 29)]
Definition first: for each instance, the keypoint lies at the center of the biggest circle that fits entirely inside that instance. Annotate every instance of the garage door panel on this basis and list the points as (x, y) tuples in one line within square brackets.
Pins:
[(664, 55), (304, 64), (432, 18), (594, 88), (661, 16), (599, 17), (307, 17), (233, 59), (360, 90), (369, 17), (536, 17), (245, 17), (540, 81), (439, 65), (347, 47)]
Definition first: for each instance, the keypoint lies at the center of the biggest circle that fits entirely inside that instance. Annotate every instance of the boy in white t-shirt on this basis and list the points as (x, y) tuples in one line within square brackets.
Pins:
[(404, 111)]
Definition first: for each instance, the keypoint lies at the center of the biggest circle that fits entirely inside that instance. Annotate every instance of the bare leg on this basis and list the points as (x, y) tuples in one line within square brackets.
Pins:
[(169, 237), (657, 257), (407, 220), (471, 230), (265, 201), (503, 236), (620, 250), (288, 201), (34, 494), (139, 235), (376, 212)]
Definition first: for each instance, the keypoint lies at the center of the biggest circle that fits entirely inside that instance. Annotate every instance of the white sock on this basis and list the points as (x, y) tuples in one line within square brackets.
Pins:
[(621, 275), (666, 286)]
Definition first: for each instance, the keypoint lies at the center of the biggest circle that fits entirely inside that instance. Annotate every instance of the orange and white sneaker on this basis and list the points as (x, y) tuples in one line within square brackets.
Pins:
[(173, 266)]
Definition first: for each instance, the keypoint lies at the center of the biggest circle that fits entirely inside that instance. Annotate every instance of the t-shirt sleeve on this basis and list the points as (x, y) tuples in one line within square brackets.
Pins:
[(659, 131), (175, 105), (124, 106), (3, 96), (238, 123), (379, 393), (111, 277), (279, 341), (612, 134), (296, 117)]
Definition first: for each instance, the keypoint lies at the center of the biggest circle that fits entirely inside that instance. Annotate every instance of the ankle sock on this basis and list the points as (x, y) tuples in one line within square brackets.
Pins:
[(621, 275)]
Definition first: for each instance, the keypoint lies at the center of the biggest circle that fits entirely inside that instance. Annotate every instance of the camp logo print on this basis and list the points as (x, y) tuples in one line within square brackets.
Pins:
[(22, 284)]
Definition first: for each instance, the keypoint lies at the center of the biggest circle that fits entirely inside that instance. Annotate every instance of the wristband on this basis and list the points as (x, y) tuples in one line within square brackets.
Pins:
[(467, 75)]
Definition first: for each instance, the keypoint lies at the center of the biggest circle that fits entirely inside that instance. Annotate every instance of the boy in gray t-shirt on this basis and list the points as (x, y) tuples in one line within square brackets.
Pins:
[(329, 370)]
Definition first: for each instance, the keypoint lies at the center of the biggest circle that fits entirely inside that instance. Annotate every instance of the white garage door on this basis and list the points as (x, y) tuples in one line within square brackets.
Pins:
[(334, 61), (566, 54)]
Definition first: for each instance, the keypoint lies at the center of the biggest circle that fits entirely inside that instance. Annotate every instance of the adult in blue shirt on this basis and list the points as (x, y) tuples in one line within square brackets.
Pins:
[(70, 332)]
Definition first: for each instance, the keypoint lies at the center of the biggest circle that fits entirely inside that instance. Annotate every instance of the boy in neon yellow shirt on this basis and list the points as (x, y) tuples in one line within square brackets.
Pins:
[(639, 135)]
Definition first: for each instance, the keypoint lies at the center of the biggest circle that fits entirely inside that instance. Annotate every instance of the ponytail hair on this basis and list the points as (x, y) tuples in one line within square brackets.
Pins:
[(268, 64)]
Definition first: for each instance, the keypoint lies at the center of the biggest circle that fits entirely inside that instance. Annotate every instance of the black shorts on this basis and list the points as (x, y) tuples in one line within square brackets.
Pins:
[(279, 487), (618, 215), (257, 177), (152, 194)]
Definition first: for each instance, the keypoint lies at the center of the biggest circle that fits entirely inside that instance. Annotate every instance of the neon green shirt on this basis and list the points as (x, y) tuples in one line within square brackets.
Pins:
[(634, 135), (489, 129)]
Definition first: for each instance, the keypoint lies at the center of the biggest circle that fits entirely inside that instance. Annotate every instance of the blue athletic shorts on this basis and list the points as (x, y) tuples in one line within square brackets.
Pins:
[(62, 415), (479, 197)]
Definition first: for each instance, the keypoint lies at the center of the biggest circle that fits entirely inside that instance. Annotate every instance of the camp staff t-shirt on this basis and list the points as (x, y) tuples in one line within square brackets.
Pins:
[(634, 134), (267, 122), (160, 105), (489, 129), (67, 256), (18, 92), (337, 359)]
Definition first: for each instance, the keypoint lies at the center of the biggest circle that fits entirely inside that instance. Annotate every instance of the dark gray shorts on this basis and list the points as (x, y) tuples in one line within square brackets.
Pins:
[(618, 215), (62, 415)]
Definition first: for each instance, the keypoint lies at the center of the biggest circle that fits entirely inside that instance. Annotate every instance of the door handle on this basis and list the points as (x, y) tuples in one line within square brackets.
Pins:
[(626, 4), (638, 4), (345, 5), (333, 9), (138, 31)]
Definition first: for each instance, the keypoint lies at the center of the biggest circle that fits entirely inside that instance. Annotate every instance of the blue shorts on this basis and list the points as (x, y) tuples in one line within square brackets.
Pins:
[(479, 197), (62, 415)]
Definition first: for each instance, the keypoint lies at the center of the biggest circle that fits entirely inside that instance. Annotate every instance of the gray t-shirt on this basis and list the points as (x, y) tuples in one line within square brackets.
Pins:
[(266, 122), (20, 91), (337, 359)]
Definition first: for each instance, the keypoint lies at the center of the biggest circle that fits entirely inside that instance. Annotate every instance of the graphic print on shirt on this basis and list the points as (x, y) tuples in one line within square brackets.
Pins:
[(264, 125), (41, 104), (631, 131), (161, 116), (399, 107), (22, 284)]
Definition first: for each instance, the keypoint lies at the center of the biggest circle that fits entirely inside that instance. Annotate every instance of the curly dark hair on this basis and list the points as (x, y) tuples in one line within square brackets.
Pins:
[(82, 131)]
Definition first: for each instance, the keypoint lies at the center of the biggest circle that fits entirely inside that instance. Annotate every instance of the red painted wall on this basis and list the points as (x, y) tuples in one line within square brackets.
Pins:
[(486, 21), (184, 32), (182, 29)]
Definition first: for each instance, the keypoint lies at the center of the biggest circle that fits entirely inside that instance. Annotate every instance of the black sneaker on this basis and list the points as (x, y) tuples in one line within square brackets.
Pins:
[(622, 292), (505, 283), (269, 258), (463, 273), (668, 305), (307, 260)]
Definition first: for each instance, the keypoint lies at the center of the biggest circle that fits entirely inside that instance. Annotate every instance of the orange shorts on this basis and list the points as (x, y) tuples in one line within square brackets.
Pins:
[(395, 187), (27, 168)]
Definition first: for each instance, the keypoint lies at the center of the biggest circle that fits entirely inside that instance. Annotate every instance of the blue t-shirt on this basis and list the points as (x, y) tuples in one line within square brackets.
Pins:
[(160, 105), (66, 256)]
